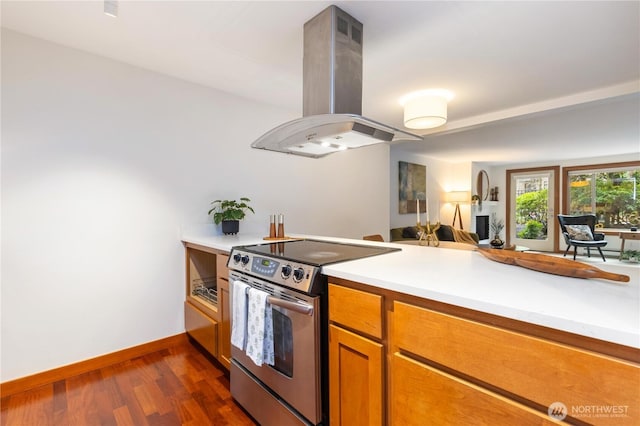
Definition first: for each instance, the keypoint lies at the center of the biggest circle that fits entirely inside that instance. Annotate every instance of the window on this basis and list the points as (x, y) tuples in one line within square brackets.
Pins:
[(610, 191)]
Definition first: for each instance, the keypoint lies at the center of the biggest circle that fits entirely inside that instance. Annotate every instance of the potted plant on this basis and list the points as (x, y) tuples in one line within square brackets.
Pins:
[(496, 227), (631, 255), (230, 213)]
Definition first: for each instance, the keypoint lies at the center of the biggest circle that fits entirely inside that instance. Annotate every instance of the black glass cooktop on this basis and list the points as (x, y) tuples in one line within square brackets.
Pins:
[(317, 253)]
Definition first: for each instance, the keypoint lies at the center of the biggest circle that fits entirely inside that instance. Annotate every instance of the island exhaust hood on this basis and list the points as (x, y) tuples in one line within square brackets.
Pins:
[(332, 94)]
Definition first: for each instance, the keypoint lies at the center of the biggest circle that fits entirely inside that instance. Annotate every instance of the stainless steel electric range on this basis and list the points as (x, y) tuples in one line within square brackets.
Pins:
[(294, 390)]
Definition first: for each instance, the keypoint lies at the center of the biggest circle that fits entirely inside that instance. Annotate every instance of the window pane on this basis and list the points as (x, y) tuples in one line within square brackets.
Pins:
[(616, 201), (581, 190), (532, 207), (612, 195)]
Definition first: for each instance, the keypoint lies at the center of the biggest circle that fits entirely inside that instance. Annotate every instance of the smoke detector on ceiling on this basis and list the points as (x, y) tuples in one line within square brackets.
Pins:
[(111, 8)]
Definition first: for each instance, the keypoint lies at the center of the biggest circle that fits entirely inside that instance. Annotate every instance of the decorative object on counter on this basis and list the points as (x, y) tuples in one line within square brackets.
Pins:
[(230, 213), (457, 197), (427, 234), (279, 233), (412, 182), (272, 226), (550, 264), (496, 227)]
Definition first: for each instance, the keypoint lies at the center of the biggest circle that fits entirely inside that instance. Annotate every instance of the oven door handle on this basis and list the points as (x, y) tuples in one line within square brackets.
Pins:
[(302, 308)]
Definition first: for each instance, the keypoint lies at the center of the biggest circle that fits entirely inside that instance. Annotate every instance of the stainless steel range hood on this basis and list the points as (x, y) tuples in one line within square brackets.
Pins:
[(332, 94)]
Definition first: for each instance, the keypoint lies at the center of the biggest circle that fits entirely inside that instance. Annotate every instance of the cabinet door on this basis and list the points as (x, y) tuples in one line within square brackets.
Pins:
[(355, 379), (423, 395), (224, 326)]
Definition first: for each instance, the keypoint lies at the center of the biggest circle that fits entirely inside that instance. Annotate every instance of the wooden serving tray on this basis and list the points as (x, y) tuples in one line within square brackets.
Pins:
[(550, 264)]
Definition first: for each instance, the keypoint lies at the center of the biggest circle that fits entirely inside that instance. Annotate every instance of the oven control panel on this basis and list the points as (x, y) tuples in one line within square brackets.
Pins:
[(284, 272), (264, 266)]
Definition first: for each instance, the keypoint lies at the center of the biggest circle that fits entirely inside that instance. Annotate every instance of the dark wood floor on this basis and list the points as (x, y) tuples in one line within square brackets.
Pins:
[(177, 386)]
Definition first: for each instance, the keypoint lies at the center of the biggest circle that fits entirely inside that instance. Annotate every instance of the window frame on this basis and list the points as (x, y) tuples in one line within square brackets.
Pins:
[(554, 198)]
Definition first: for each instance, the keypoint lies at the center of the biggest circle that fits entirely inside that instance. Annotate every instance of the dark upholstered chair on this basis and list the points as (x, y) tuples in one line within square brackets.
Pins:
[(579, 231)]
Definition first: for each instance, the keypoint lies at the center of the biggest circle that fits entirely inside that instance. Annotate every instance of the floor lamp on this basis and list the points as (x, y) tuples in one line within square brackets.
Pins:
[(457, 197)]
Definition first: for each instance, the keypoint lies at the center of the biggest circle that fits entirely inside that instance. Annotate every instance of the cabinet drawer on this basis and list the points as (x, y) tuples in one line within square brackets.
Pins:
[(423, 395), (202, 328), (536, 369), (356, 309)]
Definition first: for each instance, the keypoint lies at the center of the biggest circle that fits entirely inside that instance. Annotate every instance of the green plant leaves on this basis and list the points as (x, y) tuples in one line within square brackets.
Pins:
[(230, 209)]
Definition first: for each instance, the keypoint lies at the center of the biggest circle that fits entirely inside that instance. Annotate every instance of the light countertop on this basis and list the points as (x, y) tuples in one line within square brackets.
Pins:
[(205, 235), (596, 308)]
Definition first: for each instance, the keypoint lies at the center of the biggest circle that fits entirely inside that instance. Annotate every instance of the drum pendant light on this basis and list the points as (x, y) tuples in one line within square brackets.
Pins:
[(426, 109)]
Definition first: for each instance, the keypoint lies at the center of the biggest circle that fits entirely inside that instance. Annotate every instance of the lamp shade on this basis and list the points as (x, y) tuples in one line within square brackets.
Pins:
[(425, 109), (457, 196)]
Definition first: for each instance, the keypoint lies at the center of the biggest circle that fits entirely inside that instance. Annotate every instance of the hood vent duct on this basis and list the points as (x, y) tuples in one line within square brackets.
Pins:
[(332, 94)]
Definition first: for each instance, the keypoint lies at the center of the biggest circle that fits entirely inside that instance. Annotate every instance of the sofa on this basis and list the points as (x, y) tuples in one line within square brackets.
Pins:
[(444, 233)]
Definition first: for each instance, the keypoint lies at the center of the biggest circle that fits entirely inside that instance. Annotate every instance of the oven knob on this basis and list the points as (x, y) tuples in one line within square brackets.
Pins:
[(286, 271), (236, 257), (244, 259), (298, 275)]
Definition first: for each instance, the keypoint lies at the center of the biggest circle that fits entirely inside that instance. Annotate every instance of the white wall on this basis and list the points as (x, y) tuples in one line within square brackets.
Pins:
[(441, 178), (103, 163)]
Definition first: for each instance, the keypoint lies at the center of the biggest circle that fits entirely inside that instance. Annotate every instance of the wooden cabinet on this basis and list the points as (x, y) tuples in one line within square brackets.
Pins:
[(356, 362), (441, 364), (531, 368), (206, 313)]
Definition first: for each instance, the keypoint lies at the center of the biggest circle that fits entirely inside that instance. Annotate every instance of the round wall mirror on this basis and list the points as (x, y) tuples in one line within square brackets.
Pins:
[(482, 185)]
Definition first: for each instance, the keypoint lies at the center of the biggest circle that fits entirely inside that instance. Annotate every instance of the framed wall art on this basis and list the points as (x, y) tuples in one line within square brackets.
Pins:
[(412, 187)]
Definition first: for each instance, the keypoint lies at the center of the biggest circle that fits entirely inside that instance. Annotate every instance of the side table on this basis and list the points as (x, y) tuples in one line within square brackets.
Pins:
[(627, 235)]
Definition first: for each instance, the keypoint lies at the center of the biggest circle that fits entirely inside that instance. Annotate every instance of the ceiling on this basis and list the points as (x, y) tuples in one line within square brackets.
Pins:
[(503, 60)]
